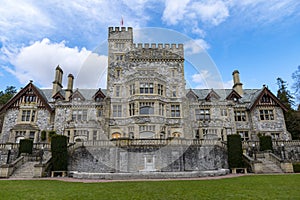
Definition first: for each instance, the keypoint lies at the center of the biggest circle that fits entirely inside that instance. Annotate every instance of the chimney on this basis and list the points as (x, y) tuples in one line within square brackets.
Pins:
[(57, 83), (69, 90), (237, 85)]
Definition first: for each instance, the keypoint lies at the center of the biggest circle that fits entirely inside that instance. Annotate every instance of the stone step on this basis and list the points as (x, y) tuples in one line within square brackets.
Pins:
[(25, 171), (269, 166)]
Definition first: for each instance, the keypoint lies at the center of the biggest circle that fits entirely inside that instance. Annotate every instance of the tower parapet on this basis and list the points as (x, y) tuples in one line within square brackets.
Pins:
[(120, 33)]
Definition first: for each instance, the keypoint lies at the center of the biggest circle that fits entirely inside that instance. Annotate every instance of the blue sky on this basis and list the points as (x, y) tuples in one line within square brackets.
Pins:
[(259, 38)]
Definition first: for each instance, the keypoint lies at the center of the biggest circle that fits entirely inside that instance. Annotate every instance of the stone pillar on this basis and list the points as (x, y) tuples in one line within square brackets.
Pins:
[(36, 137), (71, 136)]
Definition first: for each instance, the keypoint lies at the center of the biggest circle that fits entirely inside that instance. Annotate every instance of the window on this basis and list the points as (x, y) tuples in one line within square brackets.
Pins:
[(223, 112), (146, 88), (130, 129), (118, 72), (117, 92), (147, 128), (275, 136), (98, 99), (161, 109), (94, 135), (240, 115), (116, 135), (99, 112), (202, 114), (132, 89), (119, 45), (28, 116), (175, 110), (31, 135), (160, 89), (79, 115), (265, 99), (266, 114), (119, 57), (131, 109), (174, 91), (20, 133), (146, 108), (244, 135), (117, 110), (81, 133), (30, 99)]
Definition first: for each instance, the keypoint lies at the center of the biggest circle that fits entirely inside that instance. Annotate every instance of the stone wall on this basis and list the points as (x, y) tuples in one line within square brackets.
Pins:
[(10, 120), (147, 158)]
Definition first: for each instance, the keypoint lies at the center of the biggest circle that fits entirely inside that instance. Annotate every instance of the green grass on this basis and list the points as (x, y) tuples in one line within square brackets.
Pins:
[(246, 187)]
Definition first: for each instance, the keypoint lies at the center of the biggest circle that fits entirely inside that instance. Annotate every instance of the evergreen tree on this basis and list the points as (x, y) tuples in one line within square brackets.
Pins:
[(292, 117), (283, 94), (5, 96)]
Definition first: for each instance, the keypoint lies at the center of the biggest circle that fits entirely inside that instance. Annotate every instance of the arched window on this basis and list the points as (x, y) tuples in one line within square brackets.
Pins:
[(115, 135), (176, 135)]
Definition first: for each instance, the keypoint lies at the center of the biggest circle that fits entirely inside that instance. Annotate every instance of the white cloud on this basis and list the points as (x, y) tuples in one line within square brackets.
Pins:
[(204, 79), (211, 12), (38, 61), (195, 46)]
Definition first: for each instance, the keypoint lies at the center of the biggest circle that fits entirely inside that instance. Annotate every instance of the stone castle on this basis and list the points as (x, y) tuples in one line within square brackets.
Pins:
[(146, 119)]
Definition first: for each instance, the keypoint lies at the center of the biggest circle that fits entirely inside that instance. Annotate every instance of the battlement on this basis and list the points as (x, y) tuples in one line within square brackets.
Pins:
[(124, 33), (119, 29), (158, 46)]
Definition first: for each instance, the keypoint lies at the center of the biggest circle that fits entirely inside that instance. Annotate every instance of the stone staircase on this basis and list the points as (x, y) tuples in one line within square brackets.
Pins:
[(24, 171), (269, 167)]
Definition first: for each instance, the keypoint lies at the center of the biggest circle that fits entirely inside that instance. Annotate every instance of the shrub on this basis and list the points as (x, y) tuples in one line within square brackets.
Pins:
[(265, 143), (296, 167), (43, 135), (50, 135), (235, 152), (59, 153), (26, 146)]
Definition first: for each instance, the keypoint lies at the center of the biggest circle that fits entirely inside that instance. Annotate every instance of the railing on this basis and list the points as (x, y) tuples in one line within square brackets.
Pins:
[(45, 145), (152, 142), (275, 159), (276, 143)]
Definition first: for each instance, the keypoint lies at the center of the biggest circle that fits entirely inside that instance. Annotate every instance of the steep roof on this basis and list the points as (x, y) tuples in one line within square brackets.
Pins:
[(29, 87)]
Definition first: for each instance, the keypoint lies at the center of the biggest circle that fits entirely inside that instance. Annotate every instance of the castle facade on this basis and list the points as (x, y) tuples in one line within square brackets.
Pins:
[(145, 102)]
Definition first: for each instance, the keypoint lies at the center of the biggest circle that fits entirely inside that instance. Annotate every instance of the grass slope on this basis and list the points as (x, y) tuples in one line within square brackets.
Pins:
[(246, 187)]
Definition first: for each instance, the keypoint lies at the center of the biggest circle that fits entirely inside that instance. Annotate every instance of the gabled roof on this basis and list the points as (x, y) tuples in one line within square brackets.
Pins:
[(191, 95), (36, 91), (212, 94), (233, 94), (77, 93), (99, 93), (59, 95), (275, 100)]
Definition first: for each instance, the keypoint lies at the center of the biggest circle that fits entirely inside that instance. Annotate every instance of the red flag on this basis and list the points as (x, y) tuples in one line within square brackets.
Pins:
[(122, 21)]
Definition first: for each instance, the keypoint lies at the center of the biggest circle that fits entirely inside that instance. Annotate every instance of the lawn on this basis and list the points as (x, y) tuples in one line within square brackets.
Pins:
[(245, 187)]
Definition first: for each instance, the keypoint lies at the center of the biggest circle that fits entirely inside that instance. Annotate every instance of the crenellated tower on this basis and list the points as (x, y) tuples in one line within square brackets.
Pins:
[(120, 40)]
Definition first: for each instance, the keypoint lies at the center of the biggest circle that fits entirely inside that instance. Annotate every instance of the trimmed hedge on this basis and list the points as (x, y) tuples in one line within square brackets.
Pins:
[(59, 153), (26, 146), (265, 143), (296, 167), (43, 135), (235, 152)]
